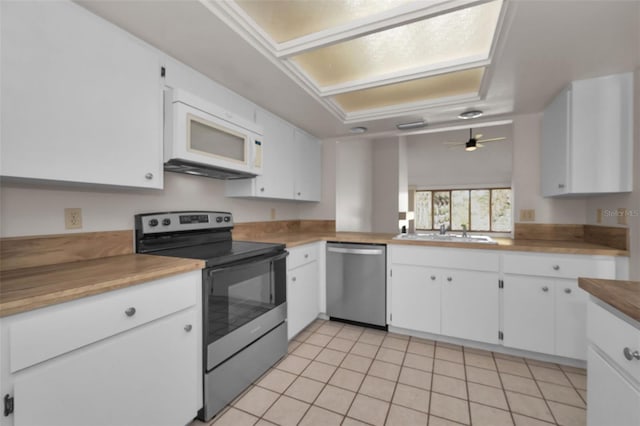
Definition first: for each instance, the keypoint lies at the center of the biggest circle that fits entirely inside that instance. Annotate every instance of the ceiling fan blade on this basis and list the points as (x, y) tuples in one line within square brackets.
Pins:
[(479, 145), (492, 140), (478, 136)]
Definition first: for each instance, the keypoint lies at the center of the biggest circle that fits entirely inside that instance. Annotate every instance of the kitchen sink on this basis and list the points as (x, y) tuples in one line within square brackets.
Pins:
[(456, 238)]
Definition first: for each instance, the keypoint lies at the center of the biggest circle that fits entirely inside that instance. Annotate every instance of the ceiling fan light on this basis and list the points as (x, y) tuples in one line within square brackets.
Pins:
[(470, 145), (467, 115), (411, 125)]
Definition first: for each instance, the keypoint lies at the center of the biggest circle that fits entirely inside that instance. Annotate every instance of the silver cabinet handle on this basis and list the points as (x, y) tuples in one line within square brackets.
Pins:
[(299, 193), (449, 279), (188, 328), (262, 189), (545, 288), (130, 312), (556, 267), (354, 251), (631, 355), (148, 176), (567, 290), (306, 256), (561, 185), (293, 279), (433, 277)]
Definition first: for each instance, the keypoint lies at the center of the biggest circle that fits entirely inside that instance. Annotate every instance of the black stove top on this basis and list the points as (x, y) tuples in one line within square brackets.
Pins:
[(223, 252), (204, 235)]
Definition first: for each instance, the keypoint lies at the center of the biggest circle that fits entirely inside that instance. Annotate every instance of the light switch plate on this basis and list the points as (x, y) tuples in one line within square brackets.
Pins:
[(622, 216), (527, 215), (599, 216), (73, 218)]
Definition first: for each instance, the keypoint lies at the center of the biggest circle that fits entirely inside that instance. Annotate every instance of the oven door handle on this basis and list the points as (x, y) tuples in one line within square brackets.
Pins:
[(245, 262)]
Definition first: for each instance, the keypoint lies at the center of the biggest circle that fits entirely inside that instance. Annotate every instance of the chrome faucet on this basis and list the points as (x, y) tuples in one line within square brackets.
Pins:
[(464, 231), (443, 229)]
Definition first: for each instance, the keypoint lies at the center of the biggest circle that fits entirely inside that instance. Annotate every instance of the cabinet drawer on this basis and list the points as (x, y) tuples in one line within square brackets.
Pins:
[(562, 266), (43, 334), (302, 255), (612, 335), (474, 260)]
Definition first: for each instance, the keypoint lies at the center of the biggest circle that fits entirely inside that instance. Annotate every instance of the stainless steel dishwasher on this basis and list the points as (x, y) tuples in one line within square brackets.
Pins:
[(357, 283)]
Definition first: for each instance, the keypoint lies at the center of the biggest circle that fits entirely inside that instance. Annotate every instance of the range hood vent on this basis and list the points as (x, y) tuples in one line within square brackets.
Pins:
[(191, 168)]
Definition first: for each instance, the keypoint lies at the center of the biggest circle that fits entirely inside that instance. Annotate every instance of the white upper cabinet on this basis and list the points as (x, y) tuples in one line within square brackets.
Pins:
[(308, 167), (291, 164), (81, 99), (587, 138)]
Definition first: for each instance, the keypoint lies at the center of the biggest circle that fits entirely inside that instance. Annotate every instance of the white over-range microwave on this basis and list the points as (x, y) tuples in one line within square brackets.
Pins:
[(201, 138)]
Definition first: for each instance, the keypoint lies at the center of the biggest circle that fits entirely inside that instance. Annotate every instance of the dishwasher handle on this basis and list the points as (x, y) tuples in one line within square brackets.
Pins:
[(355, 251)]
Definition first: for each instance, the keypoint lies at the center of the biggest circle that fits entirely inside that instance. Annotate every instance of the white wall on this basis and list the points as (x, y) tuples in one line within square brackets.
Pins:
[(386, 181), (526, 177), (433, 165), (38, 209), (326, 208), (354, 185), (630, 201)]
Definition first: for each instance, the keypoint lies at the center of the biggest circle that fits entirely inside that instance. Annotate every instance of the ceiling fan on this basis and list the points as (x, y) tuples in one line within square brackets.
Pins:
[(474, 142)]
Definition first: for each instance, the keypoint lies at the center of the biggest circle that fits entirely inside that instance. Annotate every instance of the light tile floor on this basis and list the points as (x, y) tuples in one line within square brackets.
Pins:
[(338, 374)]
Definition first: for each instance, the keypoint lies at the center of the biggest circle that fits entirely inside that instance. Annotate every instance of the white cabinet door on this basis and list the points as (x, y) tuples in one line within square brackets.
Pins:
[(302, 297), (611, 399), (276, 180), (571, 319), (308, 174), (146, 376), (528, 313), (574, 158), (470, 305), (415, 298), (81, 99)]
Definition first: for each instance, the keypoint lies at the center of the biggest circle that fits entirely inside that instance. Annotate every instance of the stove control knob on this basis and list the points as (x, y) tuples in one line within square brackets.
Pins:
[(166, 222), (153, 222), (227, 218), (219, 219)]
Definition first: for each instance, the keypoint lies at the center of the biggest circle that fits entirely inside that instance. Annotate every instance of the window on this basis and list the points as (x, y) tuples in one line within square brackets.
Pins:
[(487, 210)]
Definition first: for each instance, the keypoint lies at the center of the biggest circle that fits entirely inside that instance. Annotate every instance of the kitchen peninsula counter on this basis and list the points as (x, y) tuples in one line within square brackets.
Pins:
[(292, 239), (26, 289), (622, 295)]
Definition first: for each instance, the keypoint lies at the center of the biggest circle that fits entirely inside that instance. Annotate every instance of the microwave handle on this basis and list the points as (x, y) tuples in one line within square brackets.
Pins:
[(245, 262)]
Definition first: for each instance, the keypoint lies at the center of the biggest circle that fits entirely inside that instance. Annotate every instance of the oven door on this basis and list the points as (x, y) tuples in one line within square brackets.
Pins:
[(242, 302)]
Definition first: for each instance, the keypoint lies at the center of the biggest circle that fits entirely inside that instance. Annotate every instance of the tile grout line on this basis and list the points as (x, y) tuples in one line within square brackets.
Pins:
[(504, 391), (535, 380)]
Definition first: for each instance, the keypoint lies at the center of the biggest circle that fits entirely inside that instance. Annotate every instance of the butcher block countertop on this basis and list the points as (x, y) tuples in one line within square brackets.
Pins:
[(292, 239), (622, 295), (25, 289)]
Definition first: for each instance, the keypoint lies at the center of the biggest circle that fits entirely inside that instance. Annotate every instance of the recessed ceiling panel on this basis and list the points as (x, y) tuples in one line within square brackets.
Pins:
[(448, 39), (458, 83), (288, 20)]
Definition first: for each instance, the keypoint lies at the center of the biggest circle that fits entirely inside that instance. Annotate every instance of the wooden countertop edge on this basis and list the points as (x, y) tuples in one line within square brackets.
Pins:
[(622, 295), (29, 303), (511, 245)]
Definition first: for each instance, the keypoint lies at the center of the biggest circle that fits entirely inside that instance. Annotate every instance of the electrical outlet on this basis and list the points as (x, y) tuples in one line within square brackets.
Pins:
[(73, 218), (622, 216), (599, 216), (527, 215), (273, 214)]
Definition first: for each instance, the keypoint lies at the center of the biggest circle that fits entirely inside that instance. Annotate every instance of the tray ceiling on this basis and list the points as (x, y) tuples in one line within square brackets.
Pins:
[(371, 59)]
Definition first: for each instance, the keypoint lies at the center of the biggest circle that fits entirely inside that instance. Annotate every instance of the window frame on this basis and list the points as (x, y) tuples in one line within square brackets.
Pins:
[(470, 229)]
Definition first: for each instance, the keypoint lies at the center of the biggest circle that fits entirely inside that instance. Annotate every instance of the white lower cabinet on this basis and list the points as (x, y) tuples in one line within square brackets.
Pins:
[(143, 377), (303, 273), (528, 313), (612, 399), (415, 301), (544, 310), (470, 305), (431, 291), (613, 372), (126, 357)]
